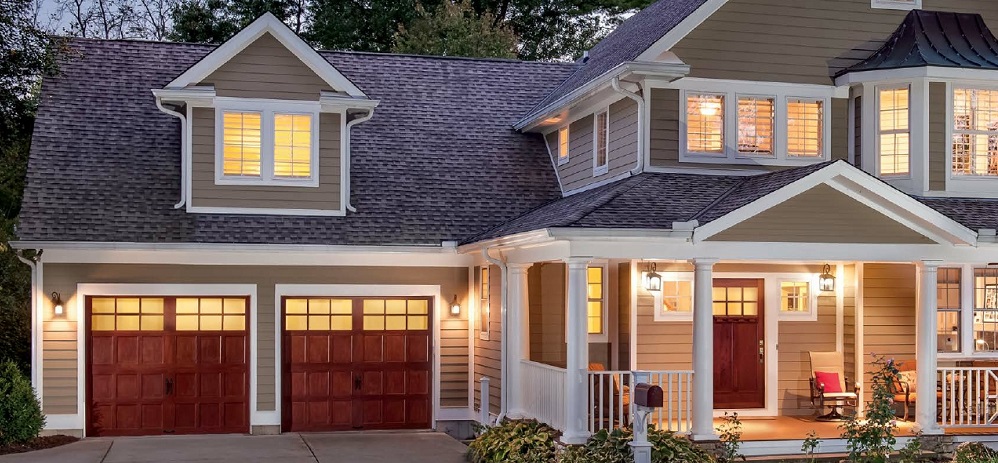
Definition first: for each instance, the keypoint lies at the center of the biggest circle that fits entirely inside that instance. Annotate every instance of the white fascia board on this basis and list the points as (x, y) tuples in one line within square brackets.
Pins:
[(534, 237), (264, 24), (671, 38), (924, 72), (199, 96), (331, 100), (621, 233), (661, 71)]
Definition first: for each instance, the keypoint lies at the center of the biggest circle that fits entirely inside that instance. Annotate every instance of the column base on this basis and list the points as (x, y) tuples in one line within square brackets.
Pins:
[(517, 415), (933, 430), (706, 437), (574, 438)]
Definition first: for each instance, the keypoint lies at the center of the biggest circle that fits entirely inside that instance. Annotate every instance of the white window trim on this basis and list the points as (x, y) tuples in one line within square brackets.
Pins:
[(896, 4), (781, 96), (267, 109), (604, 336), (877, 132), (951, 132), (563, 157), (660, 314), (826, 123), (483, 323), (604, 168), (812, 298)]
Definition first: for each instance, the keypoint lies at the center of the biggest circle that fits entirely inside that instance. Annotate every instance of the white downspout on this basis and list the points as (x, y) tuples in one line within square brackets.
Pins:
[(502, 343), (183, 151), (346, 154), (36, 291), (642, 123)]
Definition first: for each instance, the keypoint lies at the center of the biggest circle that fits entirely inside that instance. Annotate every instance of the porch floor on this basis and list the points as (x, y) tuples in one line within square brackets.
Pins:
[(797, 428)]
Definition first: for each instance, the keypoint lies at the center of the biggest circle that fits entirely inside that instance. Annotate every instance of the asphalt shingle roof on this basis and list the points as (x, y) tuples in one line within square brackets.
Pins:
[(439, 160)]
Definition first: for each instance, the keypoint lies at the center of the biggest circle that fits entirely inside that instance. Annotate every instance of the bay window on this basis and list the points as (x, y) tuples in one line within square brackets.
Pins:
[(266, 145), (894, 131), (975, 132)]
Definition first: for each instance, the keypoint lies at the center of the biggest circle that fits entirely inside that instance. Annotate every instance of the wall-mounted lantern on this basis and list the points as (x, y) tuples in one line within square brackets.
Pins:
[(455, 307), (826, 282), (58, 309), (653, 281)]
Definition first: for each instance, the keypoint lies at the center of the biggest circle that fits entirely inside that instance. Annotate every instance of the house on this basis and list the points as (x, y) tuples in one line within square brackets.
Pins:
[(260, 237)]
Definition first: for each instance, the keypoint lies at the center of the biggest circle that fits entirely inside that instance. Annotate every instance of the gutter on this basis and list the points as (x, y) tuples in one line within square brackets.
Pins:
[(346, 155), (642, 121), (36, 292), (183, 150), (504, 361)]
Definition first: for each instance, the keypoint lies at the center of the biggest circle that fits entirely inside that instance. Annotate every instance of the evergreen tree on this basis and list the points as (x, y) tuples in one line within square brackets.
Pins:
[(454, 29)]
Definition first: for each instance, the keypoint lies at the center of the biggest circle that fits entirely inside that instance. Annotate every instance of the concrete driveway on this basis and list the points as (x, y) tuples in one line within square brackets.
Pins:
[(407, 447)]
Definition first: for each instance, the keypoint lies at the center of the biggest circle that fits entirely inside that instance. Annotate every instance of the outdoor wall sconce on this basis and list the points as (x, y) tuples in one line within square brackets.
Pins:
[(826, 282), (58, 310), (455, 307), (653, 281)]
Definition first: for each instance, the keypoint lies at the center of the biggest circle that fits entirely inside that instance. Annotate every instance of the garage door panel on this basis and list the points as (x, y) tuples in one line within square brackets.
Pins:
[(373, 350), (153, 386), (341, 350), (418, 348), (296, 349), (394, 348), (235, 385), (318, 411), (317, 349), (395, 382), (234, 351), (102, 350), (187, 352), (394, 412), (318, 383), (126, 350), (211, 385), (418, 411), (153, 350), (342, 384), (417, 382), (127, 387), (210, 415), (152, 416), (186, 385), (373, 383), (341, 414), (102, 387), (373, 412), (209, 350)]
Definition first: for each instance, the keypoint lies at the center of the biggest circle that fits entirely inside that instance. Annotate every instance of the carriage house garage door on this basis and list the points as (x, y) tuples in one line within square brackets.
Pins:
[(356, 363), (167, 365)]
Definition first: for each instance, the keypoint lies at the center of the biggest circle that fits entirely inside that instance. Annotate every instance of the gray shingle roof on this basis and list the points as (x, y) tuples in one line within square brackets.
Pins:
[(437, 162), (625, 43), (973, 213)]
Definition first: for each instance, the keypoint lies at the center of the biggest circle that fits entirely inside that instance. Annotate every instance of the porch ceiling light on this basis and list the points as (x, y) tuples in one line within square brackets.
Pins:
[(653, 281), (826, 282), (58, 309), (455, 307)]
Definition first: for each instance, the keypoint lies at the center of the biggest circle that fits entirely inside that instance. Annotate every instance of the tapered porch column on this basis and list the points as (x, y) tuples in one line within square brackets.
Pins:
[(925, 344), (518, 338), (703, 349), (577, 343)]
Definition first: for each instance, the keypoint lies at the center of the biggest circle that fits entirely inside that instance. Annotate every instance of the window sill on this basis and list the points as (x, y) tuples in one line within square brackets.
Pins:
[(562, 161), (748, 160), (598, 338), (674, 317), (236, 181), (600, 171)]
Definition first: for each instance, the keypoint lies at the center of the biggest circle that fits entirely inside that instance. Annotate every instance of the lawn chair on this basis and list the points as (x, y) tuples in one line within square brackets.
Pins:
[(828, 385)]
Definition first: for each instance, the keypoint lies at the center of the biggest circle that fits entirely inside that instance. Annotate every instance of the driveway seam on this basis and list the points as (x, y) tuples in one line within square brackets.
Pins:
[(309, 447), (107, 452)]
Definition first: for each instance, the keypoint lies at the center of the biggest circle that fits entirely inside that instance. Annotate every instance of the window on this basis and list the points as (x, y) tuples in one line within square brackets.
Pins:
[(736, 301), (126, 314), (897, 4), (396, 314), (596, 292), (677, 297), (805, 128), (986, 309), (948, 306), (601, 142), (705, 123), (975, 132), (318, 314), (894, 142), (211, 314), (795, 297), (755, 125), (483, 302), (267, 146), (562, 145)]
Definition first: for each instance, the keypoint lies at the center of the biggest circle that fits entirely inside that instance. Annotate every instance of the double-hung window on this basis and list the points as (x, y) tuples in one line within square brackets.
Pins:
[(563, 145), (601, 142), (894, 131), (483, 302), (596, 295), (975, 132), (948, 293), (267, 145), (986, 309)]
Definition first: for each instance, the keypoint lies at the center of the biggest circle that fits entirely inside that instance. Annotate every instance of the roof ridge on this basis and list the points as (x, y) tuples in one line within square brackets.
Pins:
[(616, 193)]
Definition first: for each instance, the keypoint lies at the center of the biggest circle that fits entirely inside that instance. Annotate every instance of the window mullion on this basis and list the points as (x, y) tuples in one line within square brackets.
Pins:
[(267, 145), (967, 346)]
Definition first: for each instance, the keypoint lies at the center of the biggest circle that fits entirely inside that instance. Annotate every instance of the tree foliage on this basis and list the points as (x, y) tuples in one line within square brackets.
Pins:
[(454, 29)]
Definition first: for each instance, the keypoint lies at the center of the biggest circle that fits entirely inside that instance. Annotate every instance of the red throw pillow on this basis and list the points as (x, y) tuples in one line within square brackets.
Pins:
[(830, 380)]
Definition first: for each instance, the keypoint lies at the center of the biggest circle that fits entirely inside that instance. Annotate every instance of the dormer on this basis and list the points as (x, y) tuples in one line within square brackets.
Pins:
[(266, 126)]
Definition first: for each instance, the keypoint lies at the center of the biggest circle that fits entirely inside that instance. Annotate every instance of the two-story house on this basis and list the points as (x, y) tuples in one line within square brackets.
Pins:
[(259, 237)]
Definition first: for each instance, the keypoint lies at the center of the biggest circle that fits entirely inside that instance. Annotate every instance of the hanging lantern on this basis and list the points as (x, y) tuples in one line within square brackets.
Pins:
[(826, 282), (653, 281)]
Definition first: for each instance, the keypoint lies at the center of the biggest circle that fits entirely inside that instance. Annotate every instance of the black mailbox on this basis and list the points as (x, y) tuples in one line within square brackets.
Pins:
[(647, 395)]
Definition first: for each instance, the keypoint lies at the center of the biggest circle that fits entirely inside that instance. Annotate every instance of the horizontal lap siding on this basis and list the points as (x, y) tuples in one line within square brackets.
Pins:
[(488, 353), (937, 136), (61, 376), (547, 313), (623, 143), (624, 288), (889, 292), (205, 193), (796, 340), (266, 69), (849, 322)]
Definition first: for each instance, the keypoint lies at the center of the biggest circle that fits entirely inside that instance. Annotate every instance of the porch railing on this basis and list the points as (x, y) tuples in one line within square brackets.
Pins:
[(610, 399), (543, 389), (968, 397)]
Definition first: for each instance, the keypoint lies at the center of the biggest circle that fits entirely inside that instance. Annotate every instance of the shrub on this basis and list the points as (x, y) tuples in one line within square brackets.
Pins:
[(974, 452), (872, 440), (614, 447), (21, 416), (516, 441)]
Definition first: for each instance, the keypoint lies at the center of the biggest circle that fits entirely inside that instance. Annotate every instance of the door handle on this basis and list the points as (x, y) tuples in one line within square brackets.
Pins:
[(356, 382), (169, 386)]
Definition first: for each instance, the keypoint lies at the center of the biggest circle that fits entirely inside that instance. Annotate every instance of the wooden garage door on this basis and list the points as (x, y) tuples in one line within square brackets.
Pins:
[(167, 365), (356, 363)]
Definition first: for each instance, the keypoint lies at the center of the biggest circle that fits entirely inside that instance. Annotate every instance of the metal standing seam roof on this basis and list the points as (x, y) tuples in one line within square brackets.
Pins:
[(934, 38)]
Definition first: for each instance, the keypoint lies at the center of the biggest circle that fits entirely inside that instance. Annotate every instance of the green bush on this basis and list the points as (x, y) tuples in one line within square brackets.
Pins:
[(21, 416), (515, 441), (614, 447), (974, 452)]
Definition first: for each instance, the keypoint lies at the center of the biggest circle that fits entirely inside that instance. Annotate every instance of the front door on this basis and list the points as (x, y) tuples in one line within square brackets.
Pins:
[(739, 346)]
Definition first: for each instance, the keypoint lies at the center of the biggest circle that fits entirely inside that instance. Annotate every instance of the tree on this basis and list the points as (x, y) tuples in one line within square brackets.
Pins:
[(361, 25), (102, 19), (154, 17), (454, 29)]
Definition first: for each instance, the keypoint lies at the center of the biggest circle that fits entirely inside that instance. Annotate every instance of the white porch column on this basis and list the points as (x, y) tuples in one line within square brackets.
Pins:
[(577, 343), (518, 337), (703, 349), (925, 344)]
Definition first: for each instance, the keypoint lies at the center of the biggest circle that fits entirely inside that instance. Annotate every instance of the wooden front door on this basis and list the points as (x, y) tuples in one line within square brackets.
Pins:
[(356, 363), (167, 365), (739, 344)]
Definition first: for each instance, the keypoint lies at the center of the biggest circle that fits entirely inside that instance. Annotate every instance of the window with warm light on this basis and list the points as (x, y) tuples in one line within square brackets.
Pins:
[(985, 327), (241, 143), (396, 314), (563, 145), (948, 291), (483, 302), (805, 128), (894, 131), (597, 300), (318, 314), (210, 314), (601, 142), (756, 118), (795, 297), (975, 132), (267, 146), (293, 145), (705, 123), (677, 297), (127, 313)]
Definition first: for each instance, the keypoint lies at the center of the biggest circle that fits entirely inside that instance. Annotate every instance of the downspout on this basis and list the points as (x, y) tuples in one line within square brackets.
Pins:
[(642, 123), (36, 292), (183, 151), (346, 154), (502, 340)]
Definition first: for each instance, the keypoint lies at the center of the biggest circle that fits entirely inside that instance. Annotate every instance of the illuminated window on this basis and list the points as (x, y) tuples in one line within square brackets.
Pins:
[(126, 313), (318, 314), (563, 145), (894, 143), (211, 314), (948, 305), (975, 132), (293, 145), (396, 314), (677, 296), (267, 147), (596, 294), (986, 309), (601, 142), (705, 123), (755, 125), (795, 297), (241, 143), (805, 128), (736, 301), (483, 302)]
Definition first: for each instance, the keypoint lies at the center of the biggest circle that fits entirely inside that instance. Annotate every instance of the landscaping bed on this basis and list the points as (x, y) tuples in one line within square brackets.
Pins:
[(38, 443)]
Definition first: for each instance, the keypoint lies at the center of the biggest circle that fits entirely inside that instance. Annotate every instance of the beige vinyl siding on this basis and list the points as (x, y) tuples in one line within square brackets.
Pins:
[(821, 215), (488, 353), (205, 193), (621, 157), (849, 322), (798, 41), (796, 339), (858, 132), (937, 136), (889, 294), (840, 129), (547, 313), (266, 69), (624, 288), (60, 375)]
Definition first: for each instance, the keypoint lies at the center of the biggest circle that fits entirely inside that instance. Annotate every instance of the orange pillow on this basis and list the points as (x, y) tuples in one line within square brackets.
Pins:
[(830, 380)]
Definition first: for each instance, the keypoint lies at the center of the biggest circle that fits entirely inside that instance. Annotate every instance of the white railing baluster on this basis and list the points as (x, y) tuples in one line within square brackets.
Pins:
[(966, 397)]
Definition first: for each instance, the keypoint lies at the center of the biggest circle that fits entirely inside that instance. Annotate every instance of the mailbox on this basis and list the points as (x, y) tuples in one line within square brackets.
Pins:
[(647, 395)]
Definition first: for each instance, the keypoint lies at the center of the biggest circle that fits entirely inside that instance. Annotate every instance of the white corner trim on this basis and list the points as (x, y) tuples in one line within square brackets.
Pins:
[(671, 38), (555, 163), (264, 24), (56, 422)]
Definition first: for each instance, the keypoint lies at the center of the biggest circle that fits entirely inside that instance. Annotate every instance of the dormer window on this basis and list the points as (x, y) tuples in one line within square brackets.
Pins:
[(894, 131), (975, 132), (563, 152), (267, 143), (601, 142)]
